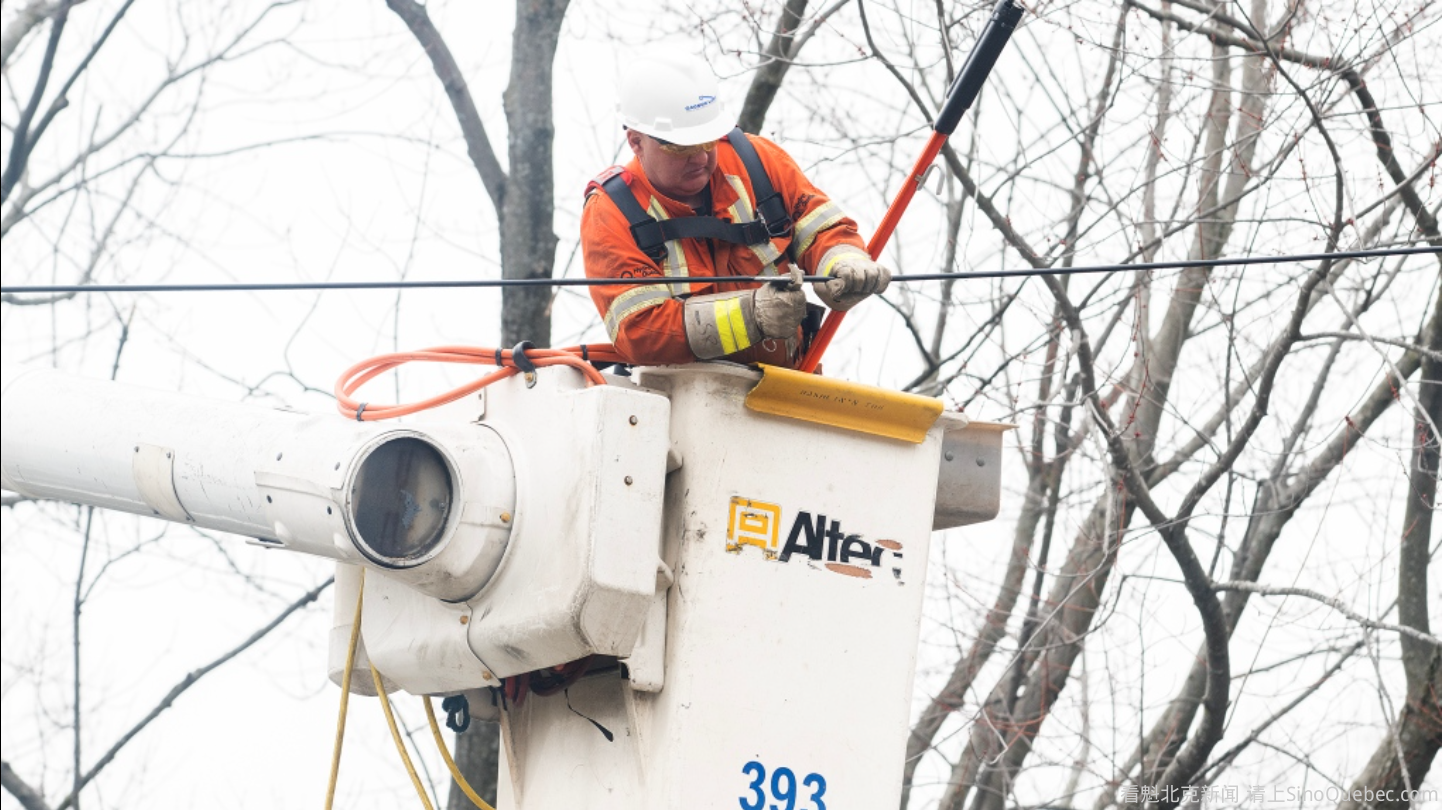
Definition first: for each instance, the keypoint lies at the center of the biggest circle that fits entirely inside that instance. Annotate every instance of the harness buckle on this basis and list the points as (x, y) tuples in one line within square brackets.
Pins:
[(649, 238), (756, 232), (773, 212)]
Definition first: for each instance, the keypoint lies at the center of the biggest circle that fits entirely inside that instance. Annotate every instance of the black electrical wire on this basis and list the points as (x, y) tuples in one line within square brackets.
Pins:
[(597, 282)]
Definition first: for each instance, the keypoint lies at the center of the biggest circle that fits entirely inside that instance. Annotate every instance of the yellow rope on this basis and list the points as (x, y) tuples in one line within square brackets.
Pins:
[(450, 763), (345, 692), (396, 736)]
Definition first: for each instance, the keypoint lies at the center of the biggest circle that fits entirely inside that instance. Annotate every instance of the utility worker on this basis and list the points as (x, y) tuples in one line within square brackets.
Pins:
[(700, 198)]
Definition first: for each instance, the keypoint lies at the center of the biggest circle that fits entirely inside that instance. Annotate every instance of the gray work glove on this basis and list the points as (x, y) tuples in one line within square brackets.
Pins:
[(854, 277), (724, 323), (779, 309)]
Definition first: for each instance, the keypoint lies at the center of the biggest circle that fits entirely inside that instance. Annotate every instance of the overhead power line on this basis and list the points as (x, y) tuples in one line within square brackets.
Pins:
[(599, 282)]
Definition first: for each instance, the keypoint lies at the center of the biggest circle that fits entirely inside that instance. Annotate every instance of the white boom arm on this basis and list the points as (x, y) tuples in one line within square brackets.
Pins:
[(365, 493), (743, 586)]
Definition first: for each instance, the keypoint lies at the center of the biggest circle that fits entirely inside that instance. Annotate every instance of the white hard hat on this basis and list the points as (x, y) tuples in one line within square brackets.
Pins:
[(673, 96)]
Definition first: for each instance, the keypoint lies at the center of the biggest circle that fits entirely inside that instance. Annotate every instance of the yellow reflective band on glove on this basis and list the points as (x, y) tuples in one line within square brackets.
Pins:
[(731, 325), (852, 276), (840, 253), (721, 324)]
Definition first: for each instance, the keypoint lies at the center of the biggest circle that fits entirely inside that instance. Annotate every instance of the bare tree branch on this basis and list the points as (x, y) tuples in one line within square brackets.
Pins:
[(1383, 141), (1396, 342), (478, 145), (1276, 503), (62, 100), (29, 797), (17, 210), (1336, 604), (185, 683), (1234, 750), (1171, 529), (30, 16), (21, 144)]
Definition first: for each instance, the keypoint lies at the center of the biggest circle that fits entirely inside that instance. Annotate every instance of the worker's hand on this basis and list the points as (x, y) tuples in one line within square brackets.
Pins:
[(853, 278), (778, 311), (726, 323)]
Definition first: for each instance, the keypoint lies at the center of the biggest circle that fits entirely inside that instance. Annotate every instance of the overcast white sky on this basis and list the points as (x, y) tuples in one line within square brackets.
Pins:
[(336, 158)]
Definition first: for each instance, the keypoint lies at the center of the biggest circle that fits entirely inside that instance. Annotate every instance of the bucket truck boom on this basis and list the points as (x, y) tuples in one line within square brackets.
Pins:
[(744, 586)]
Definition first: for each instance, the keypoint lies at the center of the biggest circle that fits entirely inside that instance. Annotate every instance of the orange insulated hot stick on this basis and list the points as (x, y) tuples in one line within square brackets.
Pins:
[(960, 97)]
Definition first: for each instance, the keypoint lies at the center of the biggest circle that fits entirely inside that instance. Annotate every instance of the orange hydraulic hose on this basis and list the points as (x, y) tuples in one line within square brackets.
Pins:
[(365, 371), (879, 239)]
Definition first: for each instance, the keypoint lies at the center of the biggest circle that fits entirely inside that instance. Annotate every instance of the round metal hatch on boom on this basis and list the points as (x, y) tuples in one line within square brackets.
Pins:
[(400, 500)]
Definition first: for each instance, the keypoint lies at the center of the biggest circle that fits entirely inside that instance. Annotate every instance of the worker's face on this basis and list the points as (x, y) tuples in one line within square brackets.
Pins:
[(680, 177)]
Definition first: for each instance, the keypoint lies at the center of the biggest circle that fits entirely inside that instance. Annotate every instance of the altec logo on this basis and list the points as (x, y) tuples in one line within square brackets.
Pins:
[(702, 101), (814, 537)]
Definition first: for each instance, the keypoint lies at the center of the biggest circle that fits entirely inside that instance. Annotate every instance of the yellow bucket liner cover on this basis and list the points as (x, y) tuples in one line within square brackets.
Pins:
[(849, 405)]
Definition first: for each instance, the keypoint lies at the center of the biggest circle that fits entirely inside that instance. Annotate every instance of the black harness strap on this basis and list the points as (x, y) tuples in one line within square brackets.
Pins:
[(652, 236), (644, 228), (771, 208)]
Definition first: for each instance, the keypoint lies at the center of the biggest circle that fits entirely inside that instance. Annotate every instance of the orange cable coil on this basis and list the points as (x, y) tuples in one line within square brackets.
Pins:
[(366, 370)]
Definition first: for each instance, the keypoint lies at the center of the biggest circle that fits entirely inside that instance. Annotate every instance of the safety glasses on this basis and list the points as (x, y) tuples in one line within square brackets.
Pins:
[(678, 150)]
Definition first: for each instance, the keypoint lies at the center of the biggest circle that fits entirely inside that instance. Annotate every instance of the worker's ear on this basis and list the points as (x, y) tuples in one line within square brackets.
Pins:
[(634, 140)]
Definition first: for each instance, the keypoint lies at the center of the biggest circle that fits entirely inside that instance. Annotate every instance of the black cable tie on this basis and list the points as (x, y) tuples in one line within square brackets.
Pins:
[(585, 359), (360, 409), (519, 358), (499, 363), (458, 713)]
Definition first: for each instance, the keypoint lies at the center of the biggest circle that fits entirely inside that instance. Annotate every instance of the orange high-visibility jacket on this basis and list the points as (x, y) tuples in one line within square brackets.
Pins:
[(645, 321)]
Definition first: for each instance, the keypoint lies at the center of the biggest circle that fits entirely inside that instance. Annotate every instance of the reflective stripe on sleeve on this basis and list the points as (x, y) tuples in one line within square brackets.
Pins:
[(813, 223), (631, 302)]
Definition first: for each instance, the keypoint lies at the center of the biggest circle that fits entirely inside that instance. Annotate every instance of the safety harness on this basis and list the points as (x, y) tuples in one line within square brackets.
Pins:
[(652, 235)]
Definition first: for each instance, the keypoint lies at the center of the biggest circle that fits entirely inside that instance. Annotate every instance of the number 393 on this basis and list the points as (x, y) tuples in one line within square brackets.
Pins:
[(783, 789)]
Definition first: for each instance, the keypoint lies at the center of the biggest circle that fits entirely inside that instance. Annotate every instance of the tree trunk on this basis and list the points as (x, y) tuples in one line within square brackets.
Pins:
[(776, 59), (525, 204), (478, 752), (528, 245), (1408, 749)]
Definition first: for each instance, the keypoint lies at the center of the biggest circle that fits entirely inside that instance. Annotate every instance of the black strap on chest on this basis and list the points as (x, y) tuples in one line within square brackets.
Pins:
[(652, 235)]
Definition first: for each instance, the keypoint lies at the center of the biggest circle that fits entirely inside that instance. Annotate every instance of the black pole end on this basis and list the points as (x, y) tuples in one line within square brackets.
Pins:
[(1008, 12), (979, 64)]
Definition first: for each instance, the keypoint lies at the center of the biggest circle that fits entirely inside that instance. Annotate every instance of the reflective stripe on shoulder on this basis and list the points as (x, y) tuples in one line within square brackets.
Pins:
[(813, 223), (675, 263), (631, 302), (742, 213)]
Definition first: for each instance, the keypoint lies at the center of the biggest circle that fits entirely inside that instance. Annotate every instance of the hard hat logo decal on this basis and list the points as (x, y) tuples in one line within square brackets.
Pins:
[(815, 537), (702, 101)]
